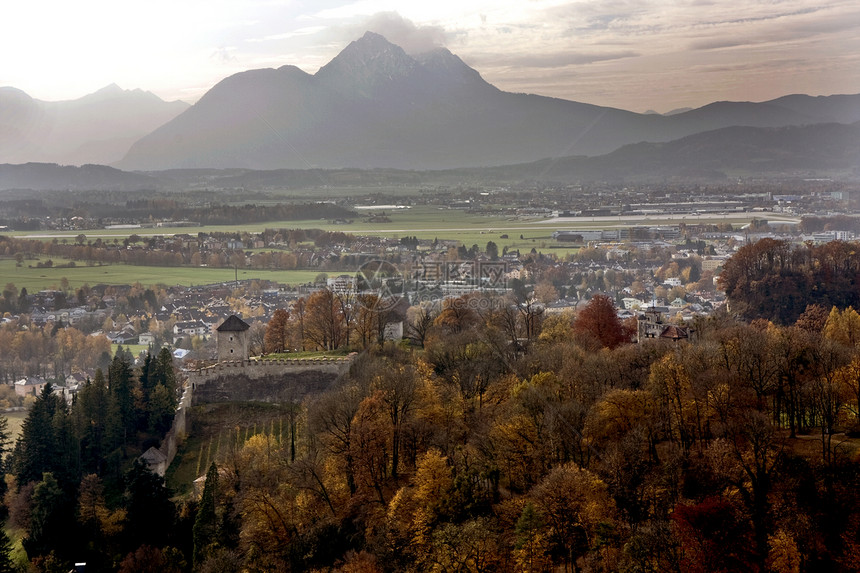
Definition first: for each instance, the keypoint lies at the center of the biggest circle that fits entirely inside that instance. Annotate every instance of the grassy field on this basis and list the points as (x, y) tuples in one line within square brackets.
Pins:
[(35, 279), (426, 221), (135, 349)]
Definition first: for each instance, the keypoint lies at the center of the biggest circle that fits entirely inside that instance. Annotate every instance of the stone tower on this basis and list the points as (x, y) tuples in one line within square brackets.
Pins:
[(232, 339)]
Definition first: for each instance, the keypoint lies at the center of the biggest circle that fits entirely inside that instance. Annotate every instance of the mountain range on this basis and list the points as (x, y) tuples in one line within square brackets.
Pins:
[(97, 128), (375, 107), (818, 150)]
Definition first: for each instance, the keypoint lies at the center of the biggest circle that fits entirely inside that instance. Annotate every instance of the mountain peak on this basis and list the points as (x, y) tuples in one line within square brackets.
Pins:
[(449, 68), (365, 65), (110, 89)]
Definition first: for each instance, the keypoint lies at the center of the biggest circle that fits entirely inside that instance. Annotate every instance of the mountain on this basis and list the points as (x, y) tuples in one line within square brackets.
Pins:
[(375, 106), (50, 176), (97, 128), (818, 150)]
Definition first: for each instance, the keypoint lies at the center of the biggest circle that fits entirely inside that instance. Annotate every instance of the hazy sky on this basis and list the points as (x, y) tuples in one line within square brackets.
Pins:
[(632, 54)]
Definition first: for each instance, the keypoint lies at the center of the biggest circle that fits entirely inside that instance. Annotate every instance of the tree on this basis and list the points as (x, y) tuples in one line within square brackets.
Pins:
[(121, 386), (714, 538), (37, 450), (419, 320), (599, 321), (323, 320), (277, 336), (51, 519), (397, 388), (7, 564), (332, 420), (576, 507), (205, 524), (545, 292), (147, 501), (148, 559)]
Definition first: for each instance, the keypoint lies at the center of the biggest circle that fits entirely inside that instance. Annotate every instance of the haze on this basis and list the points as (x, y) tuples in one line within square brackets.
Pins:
[(633, 55)]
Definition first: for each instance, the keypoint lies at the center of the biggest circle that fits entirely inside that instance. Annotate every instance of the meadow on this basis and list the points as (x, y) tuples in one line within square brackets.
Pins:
[(36, 279), (423, 221)]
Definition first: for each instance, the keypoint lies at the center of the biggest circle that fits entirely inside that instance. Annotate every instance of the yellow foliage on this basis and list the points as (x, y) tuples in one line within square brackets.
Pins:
[(843, 326), (783, 555)]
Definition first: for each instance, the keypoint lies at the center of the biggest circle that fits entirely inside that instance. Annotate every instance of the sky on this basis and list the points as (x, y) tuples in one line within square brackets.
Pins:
[(632, 54)]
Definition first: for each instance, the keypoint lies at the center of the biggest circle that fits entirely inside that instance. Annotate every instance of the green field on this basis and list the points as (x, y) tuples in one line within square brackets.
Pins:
[(35, 279), (424, 222)]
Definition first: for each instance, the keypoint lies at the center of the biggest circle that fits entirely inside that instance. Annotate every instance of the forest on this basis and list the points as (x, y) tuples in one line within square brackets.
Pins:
[(569, 448), (776, 279)]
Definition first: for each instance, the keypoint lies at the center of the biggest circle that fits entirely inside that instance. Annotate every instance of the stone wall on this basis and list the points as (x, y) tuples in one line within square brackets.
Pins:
[(176, 433), (264, 380)]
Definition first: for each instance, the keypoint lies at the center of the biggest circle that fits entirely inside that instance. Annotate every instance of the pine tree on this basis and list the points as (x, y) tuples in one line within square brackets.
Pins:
[(121, 390), (90, 413), (7, 565), (36, 451), (150, 511), (206, 521)]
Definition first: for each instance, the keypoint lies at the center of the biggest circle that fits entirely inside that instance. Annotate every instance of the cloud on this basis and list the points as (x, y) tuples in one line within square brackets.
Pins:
[(398, 30), (549, 60), (223, 54)]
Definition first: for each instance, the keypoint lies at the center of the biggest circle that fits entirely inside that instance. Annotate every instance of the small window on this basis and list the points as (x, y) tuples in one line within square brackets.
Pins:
[(231, 339), (231, 351)]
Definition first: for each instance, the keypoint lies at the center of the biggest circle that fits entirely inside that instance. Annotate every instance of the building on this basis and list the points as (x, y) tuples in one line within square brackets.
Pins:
[(232, 339), (651, 324)]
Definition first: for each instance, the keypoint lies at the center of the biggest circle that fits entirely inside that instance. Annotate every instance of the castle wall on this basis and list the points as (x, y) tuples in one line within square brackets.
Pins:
[(264, 380)]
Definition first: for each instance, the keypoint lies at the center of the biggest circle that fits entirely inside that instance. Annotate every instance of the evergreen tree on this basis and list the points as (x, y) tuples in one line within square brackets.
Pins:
[(121, 389), (205, 524), (91, 412), (164, 372), (7, 565), (162, 407), (36, 450), (51, 519), (150, 511)]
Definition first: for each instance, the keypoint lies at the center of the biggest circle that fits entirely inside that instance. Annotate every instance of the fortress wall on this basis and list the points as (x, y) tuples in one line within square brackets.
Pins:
[(264, 380)]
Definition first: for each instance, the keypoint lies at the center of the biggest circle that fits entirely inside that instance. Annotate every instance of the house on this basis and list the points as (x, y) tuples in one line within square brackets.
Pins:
[(30, 386), (147, 338), (651, 324), (188, 329)]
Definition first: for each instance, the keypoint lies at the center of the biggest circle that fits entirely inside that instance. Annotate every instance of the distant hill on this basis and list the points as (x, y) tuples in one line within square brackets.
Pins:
[(819, 149), (814, 150), (50, 176), (375, 106), (97, 128)]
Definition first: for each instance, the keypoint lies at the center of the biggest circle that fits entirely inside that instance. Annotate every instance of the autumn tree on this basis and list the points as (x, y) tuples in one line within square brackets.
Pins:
[(324, 321), (576, 508), (397, 387), (277, 335), (599, 321)]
